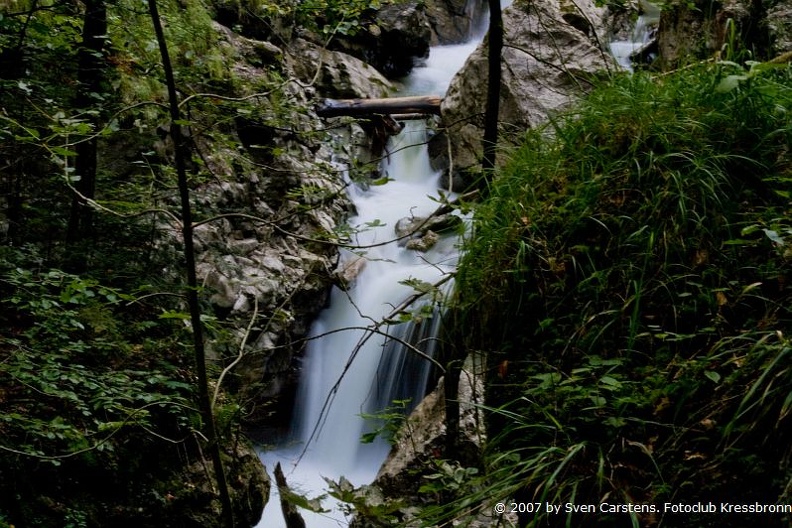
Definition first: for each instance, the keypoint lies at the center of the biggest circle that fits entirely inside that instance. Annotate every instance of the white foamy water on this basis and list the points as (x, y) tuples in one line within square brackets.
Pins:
[(327, 415), (344, 373), (641, 35)]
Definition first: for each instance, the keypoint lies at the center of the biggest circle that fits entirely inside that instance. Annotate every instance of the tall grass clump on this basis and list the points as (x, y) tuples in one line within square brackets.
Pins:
[(629, 280)]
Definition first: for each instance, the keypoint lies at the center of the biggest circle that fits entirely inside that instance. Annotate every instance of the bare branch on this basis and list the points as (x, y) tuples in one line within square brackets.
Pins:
[(239, 356), (370, 331)]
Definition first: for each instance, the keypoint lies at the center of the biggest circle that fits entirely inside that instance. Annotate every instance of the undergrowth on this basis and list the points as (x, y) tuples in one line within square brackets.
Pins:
[(628, 279)]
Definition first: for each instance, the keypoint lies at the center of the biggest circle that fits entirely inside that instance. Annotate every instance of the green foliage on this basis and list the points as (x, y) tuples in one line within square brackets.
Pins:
[(92, 378), (450, 478), (84, 371), (390, 421), (366, 502), (628, 277), (194, 44), (92, 387), (330, 17)]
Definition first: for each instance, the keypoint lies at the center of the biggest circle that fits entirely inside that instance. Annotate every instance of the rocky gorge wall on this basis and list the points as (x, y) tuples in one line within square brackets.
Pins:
[(281, 191), (268, 262)]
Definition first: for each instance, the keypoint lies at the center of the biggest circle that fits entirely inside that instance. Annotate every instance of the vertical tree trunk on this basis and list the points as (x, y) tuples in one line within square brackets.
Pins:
[(489, 144), (495, 47), (290, 513), (180, 156), (90, 77)]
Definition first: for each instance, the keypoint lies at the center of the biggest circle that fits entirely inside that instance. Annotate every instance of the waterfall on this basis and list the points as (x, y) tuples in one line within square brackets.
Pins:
[(348, 370), (642, 34), (328, 411)]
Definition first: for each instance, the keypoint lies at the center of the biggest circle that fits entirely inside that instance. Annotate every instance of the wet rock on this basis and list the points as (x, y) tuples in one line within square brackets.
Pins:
[(586, 17), (700, 29), (422, 437), (348, 271), (399, 34), (336, 74), (418, 452), (425, 243), (413, 228), (779, 25), (547, 64), (452, 21)]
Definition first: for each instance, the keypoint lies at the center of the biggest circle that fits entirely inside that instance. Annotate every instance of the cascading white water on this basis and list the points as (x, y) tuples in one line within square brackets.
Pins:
[(327, 410), (623, 50), (348, 372), (335, 390)]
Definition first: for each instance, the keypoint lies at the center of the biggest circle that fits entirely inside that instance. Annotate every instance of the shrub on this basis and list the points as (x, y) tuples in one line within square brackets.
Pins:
[(628, 278)]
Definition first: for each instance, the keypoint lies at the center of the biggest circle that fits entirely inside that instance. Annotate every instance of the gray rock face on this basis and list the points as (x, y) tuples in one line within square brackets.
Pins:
[(276, 196), (550, 53), (452, 21), (416, 227), (779, 25), (400, 34), (335, 74), (422, 437), (249, 487)]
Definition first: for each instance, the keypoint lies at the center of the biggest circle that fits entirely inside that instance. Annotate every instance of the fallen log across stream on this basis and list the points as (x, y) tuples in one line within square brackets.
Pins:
[(424, 104)]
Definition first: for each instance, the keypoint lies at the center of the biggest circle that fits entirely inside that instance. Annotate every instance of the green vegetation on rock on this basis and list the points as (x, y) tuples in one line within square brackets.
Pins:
[(628, 278)]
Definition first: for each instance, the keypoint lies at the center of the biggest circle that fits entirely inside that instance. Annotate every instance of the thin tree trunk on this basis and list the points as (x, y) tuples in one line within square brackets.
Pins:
[(489, 143), (180, 156), (495, 40), (291, 515), (451, 394), (90, 75)]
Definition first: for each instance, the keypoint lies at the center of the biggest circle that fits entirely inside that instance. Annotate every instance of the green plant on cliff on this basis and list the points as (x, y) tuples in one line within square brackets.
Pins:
[(96, 396), (628, 279), (82, 392)]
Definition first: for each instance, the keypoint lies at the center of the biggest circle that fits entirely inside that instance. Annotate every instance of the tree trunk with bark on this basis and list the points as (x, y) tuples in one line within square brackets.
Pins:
[(180, 155), (91, 69), (490, 142)]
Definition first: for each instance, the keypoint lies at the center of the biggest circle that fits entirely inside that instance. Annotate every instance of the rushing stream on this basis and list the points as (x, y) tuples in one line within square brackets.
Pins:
[(347, 370), (642, 33)]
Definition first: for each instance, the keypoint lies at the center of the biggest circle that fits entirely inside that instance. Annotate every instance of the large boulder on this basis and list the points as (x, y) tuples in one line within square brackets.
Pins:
[(549, 58), (336, 74), (399, 34), (418, 451), (422, 436)]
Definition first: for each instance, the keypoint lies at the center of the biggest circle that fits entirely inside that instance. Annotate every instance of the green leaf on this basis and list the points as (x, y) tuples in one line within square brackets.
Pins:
[(170, 314), (612, 382), (774, 236), (730, 82), (713, 376), (61, 151)]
